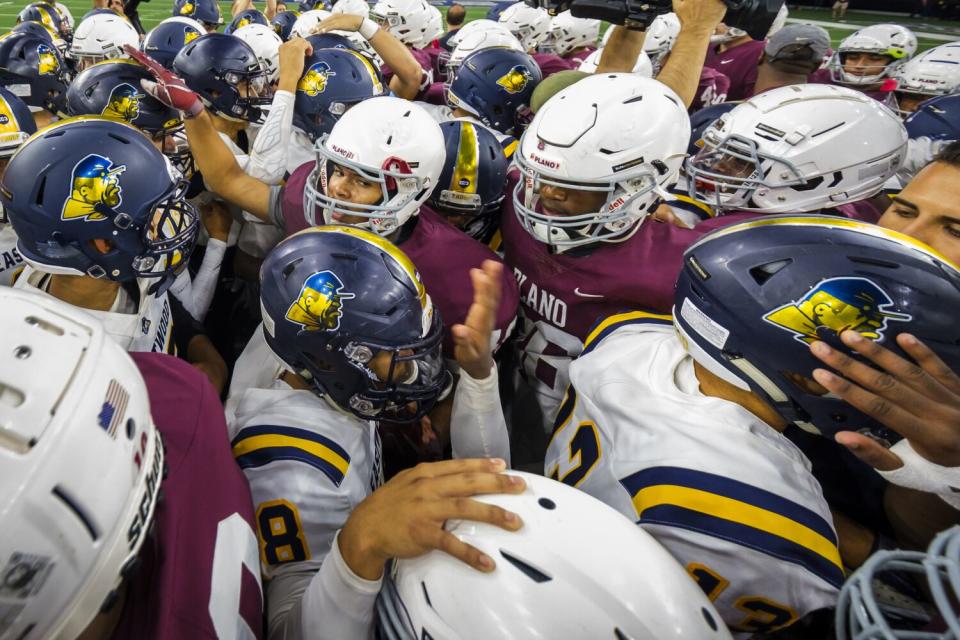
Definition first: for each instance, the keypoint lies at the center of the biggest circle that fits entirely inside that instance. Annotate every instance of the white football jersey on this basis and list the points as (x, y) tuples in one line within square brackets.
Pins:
[(11, 262), (730, 497), (148, 327)]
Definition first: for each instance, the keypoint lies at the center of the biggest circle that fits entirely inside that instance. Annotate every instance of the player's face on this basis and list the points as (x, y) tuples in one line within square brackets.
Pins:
[(865, 64), (402, 370), (910, 101), (561, 201), (928, 209), (349, 186)]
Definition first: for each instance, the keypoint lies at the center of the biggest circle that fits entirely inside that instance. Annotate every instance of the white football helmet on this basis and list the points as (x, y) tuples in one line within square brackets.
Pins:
[(616, 133), (407, 20), (568, 33), (481, 24), (266, 44), (530, 25), (476, 41), (894, 41), (935, 72), (353, 7), (797, 148), (308, 21), (643, 67), (576, 569), (434, 26), (80, 466), (661, 36), (101, 37), (388, 141), (65, 14)]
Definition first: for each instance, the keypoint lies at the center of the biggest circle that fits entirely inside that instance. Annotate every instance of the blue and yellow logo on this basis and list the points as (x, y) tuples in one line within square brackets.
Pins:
[(838, 304), (47, 60), (96, 181), (190, 34), (124, 103), (314, 81), (8, 122), (318, 308), (515, 80), (188, 9)]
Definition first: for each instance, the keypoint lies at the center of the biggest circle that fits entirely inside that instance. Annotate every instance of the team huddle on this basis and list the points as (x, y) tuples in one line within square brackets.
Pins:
[(382, 323)]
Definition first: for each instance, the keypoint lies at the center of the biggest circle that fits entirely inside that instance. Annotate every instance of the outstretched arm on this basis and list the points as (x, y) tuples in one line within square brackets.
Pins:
[(698, 19)]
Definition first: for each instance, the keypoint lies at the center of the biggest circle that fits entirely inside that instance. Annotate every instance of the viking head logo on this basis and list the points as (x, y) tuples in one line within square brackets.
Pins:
[(318, 307), (95, 184), (314, 81), (124, 103)]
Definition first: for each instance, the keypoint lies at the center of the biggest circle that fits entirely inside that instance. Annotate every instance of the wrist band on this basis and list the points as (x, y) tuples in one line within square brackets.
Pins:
[(368, 28)]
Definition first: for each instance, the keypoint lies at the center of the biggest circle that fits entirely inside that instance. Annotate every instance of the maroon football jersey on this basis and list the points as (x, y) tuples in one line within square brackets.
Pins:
[(712, 90), (200, 571), (577, 56), (550, 63), (442, 254), (739, 64), (436, 93), (424, 59)]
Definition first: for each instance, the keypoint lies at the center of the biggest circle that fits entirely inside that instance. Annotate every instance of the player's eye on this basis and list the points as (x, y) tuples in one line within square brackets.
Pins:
[(953, 229), (905, 213)]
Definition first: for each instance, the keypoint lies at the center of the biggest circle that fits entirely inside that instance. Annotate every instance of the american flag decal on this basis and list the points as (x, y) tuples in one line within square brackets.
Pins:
[(114, 408)]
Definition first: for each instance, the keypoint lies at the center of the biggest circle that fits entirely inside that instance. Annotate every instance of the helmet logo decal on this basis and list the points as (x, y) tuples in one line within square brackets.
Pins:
[(243, 22), (114, 408), (190, 34), (95, 181), (124, 103), (515, 80), (187, 9), (48, 63), (319, 306), (314, 81), (838, 304), (8, 123)]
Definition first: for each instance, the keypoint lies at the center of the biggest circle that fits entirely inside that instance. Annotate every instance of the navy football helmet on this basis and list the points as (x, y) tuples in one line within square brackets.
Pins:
[(92, 196), (215, 66), (16, 123), (206, 12), (495, 85), (283, 23), (32, 61), (242, 19), (751, 298), (165, 40), (346, 310), (701, 120), (330, 41), (43, 31), (937, 119), (470, 189), (47, 15), (333, 81), (494, 12)]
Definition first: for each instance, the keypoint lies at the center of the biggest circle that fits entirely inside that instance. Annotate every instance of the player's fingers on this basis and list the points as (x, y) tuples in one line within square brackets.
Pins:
[(494, 271), (881, 383), (468, 554), (869, 451), (474, 511), (883, 410), (462, 465), (930, 362), (902, 370), (473, 483)]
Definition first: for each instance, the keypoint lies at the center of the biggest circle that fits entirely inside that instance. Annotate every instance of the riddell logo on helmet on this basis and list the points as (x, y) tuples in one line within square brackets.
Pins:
[(344, 152), (544, 162)]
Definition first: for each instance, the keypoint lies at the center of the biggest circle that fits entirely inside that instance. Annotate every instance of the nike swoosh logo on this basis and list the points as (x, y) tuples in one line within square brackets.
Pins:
[(586, 295), (726, 61)]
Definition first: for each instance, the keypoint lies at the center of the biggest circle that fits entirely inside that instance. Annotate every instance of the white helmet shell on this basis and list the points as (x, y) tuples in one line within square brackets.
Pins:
[(891, 40), (643, 66), (308, 21), (568, 33), (266, 44), (389, 141), (546, 584), (80, 464), (353, 7), (796, 149), (477, 40), (935, 72), (434, 26), (407, 20), (530, 25), (101, 37)]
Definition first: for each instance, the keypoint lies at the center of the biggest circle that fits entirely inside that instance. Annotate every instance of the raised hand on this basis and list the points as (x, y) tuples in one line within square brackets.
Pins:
[(169, 88), (472, 348)]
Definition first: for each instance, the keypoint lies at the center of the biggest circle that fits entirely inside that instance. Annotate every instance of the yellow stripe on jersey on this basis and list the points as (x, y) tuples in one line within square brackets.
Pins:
[(510, 148), (261, 445), (609, 325), (705, 208)]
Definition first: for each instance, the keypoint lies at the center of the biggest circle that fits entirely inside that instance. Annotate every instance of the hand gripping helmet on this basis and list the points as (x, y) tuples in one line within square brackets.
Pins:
[(390, 142), (333, 299), (91, 196), (531, 25), (81, 465), (473, 177), (244, 18), (39, 72), (165, 40), (496, 85), (283, 22), (46, 14), (266, 45), (215, 65), (101, 37), (752, 297), (475, 41), (16, 124), (933, 73), (352, 7), (865, 611), (937, 119), (615, 133), (891, 40), (206, 12), (307, 21), (406, 20), (660, 37), (568, 34), (798, 148), (333, 81), (544, 584), (642, 67)]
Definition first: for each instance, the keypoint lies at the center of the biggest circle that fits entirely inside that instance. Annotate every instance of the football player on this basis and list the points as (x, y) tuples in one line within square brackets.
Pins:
[(90, 549), (165, 40), (678, 422), (531, 26), (82, 248), (16, 125), (574, 39), (101, 37), (933, 73), (206, 12), (868, 59), (29, 60), (409, 21), (735, 54), (358, 342)]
